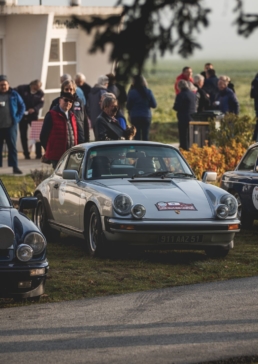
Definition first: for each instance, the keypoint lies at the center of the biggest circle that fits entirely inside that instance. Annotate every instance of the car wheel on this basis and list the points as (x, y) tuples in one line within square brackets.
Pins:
[(40, 219), (247, 220), (94, 237), (216, 252)]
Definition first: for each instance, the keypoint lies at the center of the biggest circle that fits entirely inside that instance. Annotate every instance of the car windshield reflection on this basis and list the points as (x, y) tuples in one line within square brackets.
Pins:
[(130, 161)]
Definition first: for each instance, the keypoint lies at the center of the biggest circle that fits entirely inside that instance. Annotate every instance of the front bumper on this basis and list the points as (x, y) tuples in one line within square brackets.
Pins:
[(17, 281), (139, 232)]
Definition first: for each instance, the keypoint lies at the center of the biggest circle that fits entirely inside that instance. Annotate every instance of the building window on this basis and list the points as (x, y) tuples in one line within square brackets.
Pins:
[(62, 59)]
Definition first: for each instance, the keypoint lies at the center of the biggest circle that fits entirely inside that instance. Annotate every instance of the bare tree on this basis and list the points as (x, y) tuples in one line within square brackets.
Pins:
[(147, 28)]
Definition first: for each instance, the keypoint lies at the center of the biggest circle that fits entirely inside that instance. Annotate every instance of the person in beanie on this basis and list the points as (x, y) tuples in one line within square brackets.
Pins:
[(59, 131), (12, 109)]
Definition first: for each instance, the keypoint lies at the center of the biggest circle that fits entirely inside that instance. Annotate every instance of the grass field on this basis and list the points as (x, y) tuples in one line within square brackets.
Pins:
[(161, 80)]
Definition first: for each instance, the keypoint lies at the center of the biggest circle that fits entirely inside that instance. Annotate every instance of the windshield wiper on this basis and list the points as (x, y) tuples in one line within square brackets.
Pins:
[(159, 174)]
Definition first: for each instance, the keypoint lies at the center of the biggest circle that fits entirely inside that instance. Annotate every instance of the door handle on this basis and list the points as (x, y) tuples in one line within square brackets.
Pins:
[(56, 186)]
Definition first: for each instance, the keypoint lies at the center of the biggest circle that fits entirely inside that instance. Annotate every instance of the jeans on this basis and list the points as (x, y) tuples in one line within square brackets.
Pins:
[(143, 127), (10, 136)]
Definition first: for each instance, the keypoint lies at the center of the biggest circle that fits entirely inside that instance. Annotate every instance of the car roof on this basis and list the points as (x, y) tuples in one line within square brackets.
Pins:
[(89, 145)]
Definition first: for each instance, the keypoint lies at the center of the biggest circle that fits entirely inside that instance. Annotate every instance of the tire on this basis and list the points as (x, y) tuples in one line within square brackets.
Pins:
[(41, 221), (94, 235), (216, 252), (247, 220)]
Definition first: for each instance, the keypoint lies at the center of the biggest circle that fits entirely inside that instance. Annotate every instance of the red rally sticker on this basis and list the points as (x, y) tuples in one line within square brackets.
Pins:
[(175, 206)]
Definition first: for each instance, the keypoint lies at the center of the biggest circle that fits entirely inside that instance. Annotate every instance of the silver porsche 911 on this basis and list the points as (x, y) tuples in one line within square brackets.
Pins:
[(139, 193)]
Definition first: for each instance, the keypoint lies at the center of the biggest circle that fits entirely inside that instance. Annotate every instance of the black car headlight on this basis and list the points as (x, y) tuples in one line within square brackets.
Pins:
[(231, 204), (36, 241), (24, 252), (122, 204), (138, 211)]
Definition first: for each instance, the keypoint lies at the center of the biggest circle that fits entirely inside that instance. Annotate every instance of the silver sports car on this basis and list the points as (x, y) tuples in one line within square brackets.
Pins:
[(132, 192)]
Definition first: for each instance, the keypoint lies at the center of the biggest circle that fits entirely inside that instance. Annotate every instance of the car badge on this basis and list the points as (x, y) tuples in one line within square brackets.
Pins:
[(177, 212)]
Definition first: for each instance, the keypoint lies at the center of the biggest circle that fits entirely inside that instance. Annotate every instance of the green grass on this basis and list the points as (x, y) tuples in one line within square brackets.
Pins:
[(74, 275), (18, 186)]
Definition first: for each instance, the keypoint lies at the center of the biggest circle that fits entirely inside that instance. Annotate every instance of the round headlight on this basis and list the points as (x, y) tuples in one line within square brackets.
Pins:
[(24, 252), (222, 211), (36, 241), (138, 211), (231, 203), (122, 204)]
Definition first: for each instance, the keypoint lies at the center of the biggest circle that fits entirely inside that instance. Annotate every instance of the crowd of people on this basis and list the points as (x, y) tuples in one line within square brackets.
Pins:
[(205, 91), (102, 108)]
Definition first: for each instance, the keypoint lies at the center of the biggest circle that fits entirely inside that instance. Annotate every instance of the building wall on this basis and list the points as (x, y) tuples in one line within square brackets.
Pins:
[(24, 47), (91, 65)]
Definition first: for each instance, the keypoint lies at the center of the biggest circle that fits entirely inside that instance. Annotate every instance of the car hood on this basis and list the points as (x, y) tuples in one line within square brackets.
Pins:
[(6, 231), (177, 198)]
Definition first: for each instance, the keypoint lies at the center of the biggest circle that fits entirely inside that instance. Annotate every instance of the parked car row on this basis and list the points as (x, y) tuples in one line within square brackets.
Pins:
[(124, 193)]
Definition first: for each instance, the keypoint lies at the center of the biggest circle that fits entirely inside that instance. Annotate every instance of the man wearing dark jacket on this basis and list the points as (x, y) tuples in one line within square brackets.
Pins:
[(211, 84), (185, 105), (94, 98), (226, 100), (12, 109), (33, 98), (203, 99), (59, 131)]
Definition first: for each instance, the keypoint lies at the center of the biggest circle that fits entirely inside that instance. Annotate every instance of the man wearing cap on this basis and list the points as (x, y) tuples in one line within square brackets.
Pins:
[(60, 129), (12, 109)]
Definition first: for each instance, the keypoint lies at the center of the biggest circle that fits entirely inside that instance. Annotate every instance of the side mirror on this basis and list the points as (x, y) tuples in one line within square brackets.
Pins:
[(70, 174), (27, 203), (209, 177)]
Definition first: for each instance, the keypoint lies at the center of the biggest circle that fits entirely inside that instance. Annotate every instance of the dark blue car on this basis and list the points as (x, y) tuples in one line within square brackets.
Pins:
[(23, 262), (243, 184)]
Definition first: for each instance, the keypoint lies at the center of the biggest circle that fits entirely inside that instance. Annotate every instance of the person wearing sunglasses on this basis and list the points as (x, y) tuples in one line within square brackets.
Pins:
[(78, 109), (60, 129)]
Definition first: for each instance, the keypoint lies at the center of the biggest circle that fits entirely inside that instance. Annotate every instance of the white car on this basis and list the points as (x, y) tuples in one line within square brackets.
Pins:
[(133, 192)]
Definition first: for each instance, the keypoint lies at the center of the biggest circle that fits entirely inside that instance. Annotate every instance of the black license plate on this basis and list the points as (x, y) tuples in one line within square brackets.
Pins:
[(179, 239)]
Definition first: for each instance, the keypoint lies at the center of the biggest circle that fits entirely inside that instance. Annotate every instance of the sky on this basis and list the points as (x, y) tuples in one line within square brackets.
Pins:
[(218, 41)]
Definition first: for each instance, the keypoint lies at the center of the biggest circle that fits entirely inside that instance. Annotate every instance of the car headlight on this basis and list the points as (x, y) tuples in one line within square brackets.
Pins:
[(24, 252), (222, 211), (231, 203), (122, 204), (138, 211), (36, 241)]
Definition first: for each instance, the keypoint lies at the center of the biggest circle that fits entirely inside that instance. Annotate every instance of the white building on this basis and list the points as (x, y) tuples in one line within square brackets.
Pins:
[(42, 42)]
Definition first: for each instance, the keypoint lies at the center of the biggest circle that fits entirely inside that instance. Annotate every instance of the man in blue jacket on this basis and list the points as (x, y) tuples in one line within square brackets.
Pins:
[(12, 109)]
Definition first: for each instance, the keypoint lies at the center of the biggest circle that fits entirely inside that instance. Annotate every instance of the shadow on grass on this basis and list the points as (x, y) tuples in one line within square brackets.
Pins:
[(130, 253)]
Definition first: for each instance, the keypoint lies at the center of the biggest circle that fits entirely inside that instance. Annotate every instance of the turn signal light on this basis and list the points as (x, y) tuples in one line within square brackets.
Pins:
[(233, 227), (127, 227)]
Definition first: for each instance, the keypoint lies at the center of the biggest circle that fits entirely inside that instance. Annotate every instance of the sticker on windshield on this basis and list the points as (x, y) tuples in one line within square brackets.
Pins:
[(89, 173), (255, 197), (161, 206)]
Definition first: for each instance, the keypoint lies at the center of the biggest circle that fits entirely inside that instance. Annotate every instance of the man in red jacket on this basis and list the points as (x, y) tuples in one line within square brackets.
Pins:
[(60, 129), (186, 75)]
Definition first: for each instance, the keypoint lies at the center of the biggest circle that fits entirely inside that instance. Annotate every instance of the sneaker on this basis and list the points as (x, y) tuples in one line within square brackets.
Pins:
[(27, 157), (16, 170)]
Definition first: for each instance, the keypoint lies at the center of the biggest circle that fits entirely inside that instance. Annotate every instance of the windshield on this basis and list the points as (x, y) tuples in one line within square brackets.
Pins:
[(4, 201), (134, 161)]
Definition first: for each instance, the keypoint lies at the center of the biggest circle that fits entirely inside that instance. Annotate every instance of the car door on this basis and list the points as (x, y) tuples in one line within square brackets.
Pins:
[(54, 184), (70, 193)]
